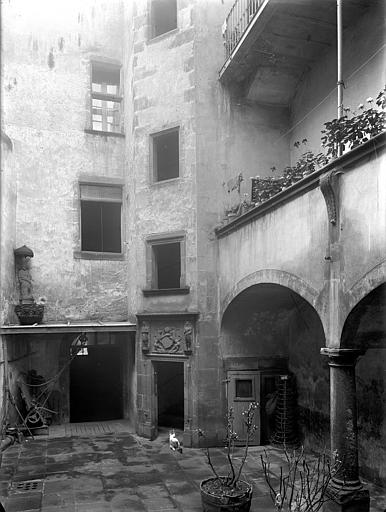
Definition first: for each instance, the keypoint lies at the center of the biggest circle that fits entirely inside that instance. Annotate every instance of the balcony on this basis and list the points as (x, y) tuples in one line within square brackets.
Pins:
[(270, 44)]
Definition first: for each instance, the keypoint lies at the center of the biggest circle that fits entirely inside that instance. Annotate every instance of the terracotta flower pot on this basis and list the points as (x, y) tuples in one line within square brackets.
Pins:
[(216, 498)]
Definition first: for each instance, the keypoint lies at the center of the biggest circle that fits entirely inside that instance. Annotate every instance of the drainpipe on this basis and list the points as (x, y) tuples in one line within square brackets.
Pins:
[(340, 83), (6, 379)]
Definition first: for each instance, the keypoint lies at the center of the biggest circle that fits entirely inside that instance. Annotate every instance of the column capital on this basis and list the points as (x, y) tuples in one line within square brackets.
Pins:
[(342, 356)]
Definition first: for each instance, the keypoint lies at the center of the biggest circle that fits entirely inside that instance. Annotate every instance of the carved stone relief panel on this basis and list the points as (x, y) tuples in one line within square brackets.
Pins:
[(167, 339), (171, 335)]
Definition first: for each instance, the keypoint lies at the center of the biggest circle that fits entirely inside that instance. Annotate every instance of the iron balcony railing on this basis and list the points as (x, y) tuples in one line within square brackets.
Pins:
[(237, 21)]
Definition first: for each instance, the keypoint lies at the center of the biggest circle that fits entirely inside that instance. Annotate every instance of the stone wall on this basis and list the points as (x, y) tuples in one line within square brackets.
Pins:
[(46, 109), (8, 292), (8, 188), (233, 137), (161, 78), (306, 338)]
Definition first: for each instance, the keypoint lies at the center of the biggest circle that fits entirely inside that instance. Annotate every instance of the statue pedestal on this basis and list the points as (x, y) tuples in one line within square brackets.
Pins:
[(29, 314)]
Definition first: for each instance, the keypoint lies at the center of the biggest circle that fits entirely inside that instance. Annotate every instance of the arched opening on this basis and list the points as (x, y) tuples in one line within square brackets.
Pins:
[(271, 330), (365, 328)]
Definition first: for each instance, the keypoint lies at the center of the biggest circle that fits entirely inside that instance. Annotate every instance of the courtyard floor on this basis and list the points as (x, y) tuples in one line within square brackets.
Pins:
[(105, 468)]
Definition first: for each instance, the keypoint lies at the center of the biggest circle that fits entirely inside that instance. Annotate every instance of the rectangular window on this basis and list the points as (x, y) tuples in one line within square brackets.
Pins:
[(244, 388), (166, 155), (101, 218), (167, 265), (163, 16), (105, 97)]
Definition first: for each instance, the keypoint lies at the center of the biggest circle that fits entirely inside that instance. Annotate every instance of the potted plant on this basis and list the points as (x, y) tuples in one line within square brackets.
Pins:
[(228, 492), (339, 135)]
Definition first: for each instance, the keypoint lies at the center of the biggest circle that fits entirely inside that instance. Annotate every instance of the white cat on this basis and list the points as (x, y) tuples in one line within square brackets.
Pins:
[(174, 443)]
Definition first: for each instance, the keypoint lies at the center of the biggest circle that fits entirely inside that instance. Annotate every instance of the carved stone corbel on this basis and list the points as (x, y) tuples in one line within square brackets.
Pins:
[(328, 186)]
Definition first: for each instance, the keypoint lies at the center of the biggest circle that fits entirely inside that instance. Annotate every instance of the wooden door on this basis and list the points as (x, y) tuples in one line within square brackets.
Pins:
[(244, 388)]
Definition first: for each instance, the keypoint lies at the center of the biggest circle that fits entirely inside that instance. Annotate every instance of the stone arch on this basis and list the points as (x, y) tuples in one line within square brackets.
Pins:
[(365, 325), (270, 325), (368, 282), (274, 276)]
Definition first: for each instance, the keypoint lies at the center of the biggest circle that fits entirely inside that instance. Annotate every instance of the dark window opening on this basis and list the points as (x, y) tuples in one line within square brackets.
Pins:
[(166, 155), (164, 16), (105, 97), (244, 388), (167, 265), (101, 218)]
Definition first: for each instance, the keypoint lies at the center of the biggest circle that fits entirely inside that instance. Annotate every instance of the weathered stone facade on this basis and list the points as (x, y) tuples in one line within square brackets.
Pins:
[(261, 294)]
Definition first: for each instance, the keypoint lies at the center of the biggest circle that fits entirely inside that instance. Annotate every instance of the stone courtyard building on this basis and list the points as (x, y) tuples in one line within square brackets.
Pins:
[(132, 135)]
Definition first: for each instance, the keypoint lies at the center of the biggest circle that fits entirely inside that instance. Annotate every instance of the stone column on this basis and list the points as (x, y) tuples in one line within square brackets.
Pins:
[(344, 431)]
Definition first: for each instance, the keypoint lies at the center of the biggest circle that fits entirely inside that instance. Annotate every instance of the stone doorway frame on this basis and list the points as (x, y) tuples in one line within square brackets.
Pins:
[(187, 395), (164, 338)]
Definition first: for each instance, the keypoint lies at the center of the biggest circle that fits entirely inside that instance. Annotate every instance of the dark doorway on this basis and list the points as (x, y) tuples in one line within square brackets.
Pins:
[(96, 384), (170, 394)]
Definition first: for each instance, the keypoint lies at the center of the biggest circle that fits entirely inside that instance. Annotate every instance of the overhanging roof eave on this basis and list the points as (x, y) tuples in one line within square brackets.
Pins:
[(60, 328)]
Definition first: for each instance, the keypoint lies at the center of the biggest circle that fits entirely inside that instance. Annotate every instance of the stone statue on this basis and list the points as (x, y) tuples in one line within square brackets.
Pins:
[(25, 281), (145, 337), (28, 311), (23, 257), (188, 336)]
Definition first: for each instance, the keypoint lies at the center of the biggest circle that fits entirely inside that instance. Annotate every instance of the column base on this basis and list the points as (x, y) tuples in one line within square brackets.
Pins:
[(146, 430), (187, 438), (358, 501)]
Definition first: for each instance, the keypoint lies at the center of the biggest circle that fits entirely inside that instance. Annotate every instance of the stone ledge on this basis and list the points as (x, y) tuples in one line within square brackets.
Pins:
[(166, 291), (105, 134), (346, 161), (89, 255)]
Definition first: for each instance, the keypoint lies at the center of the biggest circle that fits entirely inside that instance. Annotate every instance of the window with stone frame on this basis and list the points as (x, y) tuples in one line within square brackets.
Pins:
[(100, 218), (166, 154), (106, 99), (166, 264), (163, 16)]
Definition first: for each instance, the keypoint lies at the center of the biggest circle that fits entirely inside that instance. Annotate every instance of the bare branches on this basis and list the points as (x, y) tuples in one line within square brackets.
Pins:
[(234, 473), (303, 486)]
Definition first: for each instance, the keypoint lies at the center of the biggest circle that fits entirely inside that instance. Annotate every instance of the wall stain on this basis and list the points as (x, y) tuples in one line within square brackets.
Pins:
[(51, 60)]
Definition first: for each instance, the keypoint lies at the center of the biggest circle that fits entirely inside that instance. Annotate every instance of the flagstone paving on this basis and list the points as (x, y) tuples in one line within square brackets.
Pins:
[(114, 472)]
